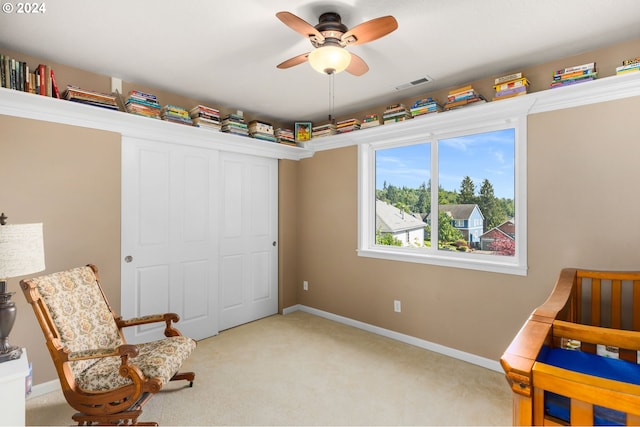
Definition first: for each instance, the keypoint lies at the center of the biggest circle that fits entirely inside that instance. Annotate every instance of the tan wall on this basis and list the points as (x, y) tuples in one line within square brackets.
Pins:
[(582, 187), (68, 178), (48, 171)]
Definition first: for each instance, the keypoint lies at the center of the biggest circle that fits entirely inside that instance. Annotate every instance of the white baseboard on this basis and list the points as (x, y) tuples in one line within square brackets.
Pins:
[(44, 388), (494, 365)]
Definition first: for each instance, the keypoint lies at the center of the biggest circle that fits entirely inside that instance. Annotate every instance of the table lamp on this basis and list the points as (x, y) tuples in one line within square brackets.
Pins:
[(21, 253)]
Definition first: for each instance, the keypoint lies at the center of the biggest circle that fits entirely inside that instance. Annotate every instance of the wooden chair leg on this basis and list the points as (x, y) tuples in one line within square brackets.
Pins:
[(189, 376), (121, 418)]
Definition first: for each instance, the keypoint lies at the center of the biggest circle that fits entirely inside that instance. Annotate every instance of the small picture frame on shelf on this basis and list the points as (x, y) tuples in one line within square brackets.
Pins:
[(303, 131)]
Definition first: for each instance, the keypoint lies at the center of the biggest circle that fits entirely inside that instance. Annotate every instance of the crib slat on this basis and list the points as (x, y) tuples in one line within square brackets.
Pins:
[(578, 300), (581, 413), (616, 304), (595, 302), (636, 305)]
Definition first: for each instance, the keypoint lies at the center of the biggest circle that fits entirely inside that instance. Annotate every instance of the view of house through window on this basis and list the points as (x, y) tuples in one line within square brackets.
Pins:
[(475, 180)]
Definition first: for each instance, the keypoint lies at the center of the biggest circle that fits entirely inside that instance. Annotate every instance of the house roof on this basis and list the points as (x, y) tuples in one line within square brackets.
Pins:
[(463, 211), (506, 229), (390, 219)]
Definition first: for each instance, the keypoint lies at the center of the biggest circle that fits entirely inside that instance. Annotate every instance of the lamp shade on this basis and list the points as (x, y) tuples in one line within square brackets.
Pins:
[(21, 250), (329, 59)]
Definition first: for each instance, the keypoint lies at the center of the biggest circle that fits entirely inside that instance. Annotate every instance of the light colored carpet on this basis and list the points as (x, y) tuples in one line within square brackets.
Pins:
[(301, 369)]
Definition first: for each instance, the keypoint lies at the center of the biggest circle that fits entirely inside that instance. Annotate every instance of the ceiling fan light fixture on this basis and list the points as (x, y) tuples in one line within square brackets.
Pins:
[(329, 59)]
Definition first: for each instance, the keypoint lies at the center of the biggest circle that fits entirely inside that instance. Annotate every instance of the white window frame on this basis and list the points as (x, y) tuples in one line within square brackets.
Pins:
[(511, 113)]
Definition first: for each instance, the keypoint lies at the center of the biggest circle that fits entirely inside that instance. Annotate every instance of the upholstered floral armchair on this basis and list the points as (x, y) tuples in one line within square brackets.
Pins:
[(102, 377)]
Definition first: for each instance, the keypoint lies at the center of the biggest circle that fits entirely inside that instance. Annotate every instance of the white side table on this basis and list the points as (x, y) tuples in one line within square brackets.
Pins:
[(12, 390)]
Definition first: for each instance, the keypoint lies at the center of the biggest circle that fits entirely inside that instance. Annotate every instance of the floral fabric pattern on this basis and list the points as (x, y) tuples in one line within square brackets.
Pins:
[(86, 325), (160, 358)]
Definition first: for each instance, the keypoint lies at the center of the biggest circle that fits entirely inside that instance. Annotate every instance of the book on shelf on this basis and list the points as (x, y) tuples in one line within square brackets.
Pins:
[(348, 125), (175, 114), (234, 124), (370, 120), (322, 130), (631, 65), (142, 104), (88, 97), (425, 106), (285, 136), (205, 117), (17, 75), (462, 97), (509, 86), (575, 74), (507, 78), (395, 113), (261, 130)]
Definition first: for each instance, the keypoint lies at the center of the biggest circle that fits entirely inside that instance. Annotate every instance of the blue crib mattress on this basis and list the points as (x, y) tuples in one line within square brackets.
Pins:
[(586, 363)]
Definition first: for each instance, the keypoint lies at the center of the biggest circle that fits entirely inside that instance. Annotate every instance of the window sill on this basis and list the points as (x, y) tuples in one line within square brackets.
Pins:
[(472, 262)]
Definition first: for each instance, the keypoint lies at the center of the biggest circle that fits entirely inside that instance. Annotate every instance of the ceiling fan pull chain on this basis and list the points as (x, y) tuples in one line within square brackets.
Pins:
[(332, 119)]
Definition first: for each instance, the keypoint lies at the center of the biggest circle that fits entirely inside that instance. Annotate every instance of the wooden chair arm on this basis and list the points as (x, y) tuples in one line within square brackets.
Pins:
[(125, 350), (168, 318)]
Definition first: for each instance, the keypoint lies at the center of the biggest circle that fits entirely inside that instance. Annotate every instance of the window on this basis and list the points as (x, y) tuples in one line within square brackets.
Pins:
[(457, 187)]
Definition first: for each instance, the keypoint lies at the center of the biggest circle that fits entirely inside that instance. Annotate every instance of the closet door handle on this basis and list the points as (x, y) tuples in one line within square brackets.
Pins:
[(274, 243), (128, 258)]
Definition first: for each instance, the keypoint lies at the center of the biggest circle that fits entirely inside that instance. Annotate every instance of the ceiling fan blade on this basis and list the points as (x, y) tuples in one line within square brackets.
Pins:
[(296, 60), (370, 30), (300, 25), (357, 66)]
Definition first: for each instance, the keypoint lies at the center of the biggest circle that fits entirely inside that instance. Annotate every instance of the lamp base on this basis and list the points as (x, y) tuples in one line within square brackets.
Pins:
[(12, 353)]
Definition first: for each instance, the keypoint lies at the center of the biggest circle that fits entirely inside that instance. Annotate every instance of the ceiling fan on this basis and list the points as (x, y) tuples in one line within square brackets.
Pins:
[(330, 37)]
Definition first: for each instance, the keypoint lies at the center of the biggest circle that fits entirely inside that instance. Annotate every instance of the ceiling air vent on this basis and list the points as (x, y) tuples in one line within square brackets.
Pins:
[(425, 79)]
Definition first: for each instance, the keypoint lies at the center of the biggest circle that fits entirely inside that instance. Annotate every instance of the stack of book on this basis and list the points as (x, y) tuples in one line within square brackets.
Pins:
[(323, 130), (261, 130), (509, 86), (629, 66), (369, 121), (97, 99), (576, 74), (234, 124), (347, 125), (143, 104), (285, 136), (175, 114), (395, 113), (462, 97), (17, 75), (205, 117), (425, 106)]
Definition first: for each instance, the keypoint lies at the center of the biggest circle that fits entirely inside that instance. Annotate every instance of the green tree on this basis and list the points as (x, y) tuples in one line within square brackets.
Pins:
[(446, 231), (490, 206), (424, 199), (386, 239), (467, 191)]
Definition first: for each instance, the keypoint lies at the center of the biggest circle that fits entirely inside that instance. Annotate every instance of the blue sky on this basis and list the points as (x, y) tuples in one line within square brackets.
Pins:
[(481, 156)]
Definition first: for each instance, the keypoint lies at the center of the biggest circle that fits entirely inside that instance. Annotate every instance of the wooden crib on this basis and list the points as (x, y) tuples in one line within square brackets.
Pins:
[(576, 359)]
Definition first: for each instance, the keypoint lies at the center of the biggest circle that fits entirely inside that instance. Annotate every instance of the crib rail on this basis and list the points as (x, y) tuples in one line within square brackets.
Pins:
[(587, 307)]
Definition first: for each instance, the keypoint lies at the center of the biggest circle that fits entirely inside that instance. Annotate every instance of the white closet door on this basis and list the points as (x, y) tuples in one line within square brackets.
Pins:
[(169, 237), (248, 239)]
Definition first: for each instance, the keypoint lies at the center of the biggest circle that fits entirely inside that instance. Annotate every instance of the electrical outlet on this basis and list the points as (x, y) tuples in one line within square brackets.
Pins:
[(305, 285), (397, 307)]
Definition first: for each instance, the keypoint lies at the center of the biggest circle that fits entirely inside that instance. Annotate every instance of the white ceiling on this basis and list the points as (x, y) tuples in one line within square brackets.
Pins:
[(225, 52)]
